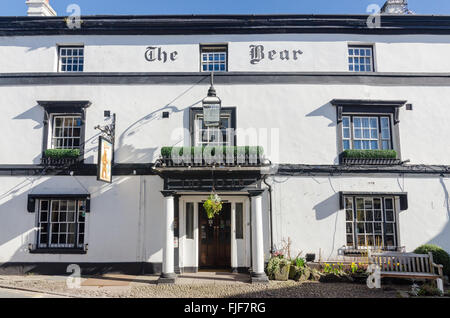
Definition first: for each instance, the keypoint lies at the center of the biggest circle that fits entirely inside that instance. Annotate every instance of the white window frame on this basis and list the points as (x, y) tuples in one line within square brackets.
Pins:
[(208, 54), (198, 132), (64, 58), (53, 138), (79, 225), (380, 139), (356, 66)]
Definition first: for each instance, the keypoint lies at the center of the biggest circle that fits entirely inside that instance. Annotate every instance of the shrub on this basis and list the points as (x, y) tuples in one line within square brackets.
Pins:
[(299, 262), (62, 153), (429, 290), (370, 154), (439, 255), (275, 265)]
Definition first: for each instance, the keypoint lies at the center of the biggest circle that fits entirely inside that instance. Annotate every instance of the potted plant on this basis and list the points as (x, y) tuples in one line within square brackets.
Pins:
[(278, 267), (213, 205), (282, 273), (296, 266)]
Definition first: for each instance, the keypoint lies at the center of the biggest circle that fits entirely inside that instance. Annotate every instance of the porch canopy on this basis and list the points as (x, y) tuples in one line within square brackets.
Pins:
[(246, 180)]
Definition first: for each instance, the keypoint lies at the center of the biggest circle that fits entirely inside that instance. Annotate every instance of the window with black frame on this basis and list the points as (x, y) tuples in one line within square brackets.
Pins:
[(224, 135), (370, 222), (61, 224)]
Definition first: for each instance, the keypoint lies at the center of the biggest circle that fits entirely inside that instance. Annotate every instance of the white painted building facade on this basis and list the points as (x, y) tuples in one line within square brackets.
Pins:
[(293, 84)]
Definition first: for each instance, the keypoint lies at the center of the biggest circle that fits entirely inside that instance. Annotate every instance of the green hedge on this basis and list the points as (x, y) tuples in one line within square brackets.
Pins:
[(370, 154), (62, 153), (166, 152), (440, 256)]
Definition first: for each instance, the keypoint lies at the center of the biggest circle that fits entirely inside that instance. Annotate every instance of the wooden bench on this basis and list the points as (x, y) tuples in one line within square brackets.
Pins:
[(407, 265)]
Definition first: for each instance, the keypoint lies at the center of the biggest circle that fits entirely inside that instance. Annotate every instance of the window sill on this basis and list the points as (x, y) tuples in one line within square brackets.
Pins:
[(58, 251), (363, 251)]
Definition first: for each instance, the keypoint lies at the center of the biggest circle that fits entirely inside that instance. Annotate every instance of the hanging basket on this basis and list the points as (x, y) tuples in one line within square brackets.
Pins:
[(213, 205)]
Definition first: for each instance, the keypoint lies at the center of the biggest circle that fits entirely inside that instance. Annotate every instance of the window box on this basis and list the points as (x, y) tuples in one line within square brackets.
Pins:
[(60, 157), (60, 251), (204, 156), (370, 157)]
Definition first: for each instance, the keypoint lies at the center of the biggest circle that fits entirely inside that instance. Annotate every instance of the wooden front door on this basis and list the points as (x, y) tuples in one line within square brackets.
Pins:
[(215, 238)]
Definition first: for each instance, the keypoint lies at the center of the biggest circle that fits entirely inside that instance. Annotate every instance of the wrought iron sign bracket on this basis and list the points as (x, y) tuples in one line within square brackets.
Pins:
[(109, 130)]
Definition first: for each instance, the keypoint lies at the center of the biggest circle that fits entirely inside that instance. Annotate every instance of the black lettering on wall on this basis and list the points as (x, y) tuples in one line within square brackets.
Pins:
[(257, 54), (154, 53)]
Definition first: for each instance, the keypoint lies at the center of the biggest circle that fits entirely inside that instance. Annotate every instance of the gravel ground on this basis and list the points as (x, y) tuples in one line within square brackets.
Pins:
[(288, 289), (274, 289)]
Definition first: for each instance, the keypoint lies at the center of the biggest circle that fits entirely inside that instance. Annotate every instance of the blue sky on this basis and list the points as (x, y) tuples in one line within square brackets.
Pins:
[(89, 7)]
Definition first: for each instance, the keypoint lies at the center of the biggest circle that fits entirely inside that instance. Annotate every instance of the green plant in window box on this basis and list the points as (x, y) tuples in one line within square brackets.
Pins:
[(166, 152), (370, 154), (213, 206), (62, 153)]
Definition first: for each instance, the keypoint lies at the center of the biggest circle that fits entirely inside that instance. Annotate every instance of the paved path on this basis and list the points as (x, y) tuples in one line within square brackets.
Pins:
[(13, 293)]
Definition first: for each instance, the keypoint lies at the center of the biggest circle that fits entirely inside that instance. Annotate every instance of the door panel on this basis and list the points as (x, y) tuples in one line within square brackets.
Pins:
[(215, 238)]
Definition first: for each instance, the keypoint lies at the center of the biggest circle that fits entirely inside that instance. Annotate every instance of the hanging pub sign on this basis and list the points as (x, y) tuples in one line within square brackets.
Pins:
[(105, 157)]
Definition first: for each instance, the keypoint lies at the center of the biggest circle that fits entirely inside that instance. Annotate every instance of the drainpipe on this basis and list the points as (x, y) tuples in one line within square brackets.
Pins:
[(269, 187), (251, 234)]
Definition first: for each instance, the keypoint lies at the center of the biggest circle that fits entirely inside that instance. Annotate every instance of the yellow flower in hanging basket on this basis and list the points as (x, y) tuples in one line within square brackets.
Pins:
[(213, 206)]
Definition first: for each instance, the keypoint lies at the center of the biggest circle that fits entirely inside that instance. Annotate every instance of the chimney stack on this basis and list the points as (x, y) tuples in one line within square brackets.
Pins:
[(40, 8), (395, 7)]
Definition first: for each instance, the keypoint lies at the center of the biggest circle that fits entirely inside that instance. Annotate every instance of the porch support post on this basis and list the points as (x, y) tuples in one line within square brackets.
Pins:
[(168, 274), (258, 274), (234, 260)]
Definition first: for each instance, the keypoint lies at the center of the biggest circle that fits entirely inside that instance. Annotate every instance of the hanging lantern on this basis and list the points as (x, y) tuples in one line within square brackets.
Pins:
[(211, 107)]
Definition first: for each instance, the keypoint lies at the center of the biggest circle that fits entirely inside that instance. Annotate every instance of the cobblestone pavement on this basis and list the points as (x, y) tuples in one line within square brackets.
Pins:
[(201, 285)]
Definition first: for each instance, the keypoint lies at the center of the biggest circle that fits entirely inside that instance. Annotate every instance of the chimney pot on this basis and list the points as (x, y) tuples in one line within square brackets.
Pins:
[(40, 8), (395, 7)]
